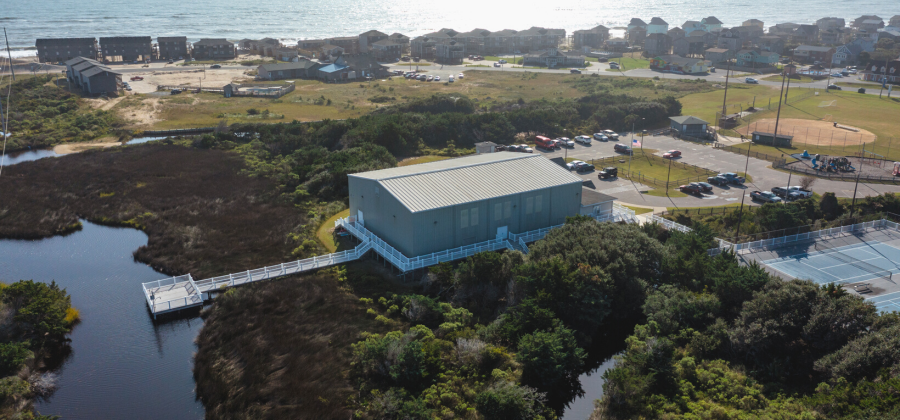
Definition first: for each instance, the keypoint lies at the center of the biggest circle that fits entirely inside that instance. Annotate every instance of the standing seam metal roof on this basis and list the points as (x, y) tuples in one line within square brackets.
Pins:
[(464, 180)]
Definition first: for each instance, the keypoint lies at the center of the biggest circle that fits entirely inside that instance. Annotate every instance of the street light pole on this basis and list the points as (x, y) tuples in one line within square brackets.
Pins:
[(853, 204), (667, 177)]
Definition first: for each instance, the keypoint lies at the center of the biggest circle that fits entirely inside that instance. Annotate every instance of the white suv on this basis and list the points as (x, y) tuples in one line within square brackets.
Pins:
[(583, 139)]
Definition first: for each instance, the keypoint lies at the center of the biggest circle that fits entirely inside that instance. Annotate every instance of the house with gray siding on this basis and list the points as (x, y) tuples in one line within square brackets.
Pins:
[(171, 47), (126, 48), (213, 48), (687, 125), (92, 76), (55, 50), (431, 207)]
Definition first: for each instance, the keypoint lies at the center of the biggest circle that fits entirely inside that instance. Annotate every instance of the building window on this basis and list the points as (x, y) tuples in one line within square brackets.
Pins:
[(463, 219), (473, 214), (538, 203)]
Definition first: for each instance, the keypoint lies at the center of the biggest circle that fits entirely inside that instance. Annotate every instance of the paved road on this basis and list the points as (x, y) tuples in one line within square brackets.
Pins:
[(446, 70), (764, 177)]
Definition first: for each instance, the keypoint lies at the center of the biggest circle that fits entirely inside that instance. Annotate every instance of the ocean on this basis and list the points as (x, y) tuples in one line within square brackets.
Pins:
[(292, 20)]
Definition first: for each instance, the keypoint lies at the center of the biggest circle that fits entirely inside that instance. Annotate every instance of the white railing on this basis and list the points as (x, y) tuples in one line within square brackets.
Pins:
[(670, 225), (524, 246), (781, 241), (151, 289)]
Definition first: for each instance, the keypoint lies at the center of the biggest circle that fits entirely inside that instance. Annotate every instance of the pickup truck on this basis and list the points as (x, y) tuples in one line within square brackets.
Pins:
[(732, 178), (792, 193), (765, 196)]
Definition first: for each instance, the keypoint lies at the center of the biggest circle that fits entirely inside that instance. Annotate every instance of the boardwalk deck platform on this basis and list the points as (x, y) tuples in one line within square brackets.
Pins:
[(182, 292)]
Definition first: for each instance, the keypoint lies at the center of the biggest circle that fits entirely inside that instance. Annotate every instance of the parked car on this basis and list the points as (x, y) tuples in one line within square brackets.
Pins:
[(544, 142), (837, 75), (170, 62), (765, 196), (834, 87), (450, 79), (751, 81), (608, 172), (571, 165), (584, 167), (566, 142), (496, 64), (691, 189), (461, 75), (703, 186), (791, 193), (215, 66), (718, 180), (574, 71), (613, 66), (732, 178), (583, 139), (128, 88), (437, 78), (501, 61), (133, 78), (611, 134), (852, 71), (802, 192), (601, 137), (712, 69), (429, 78), (672, 154), (621, 148), (176, 91), (525, 149)]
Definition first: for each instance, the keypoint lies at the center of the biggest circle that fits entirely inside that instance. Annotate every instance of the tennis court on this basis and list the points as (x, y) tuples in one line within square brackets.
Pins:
[(886, 303), (871, 260)]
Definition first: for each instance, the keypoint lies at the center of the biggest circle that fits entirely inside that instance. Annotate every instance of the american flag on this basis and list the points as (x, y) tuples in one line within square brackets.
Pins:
[(635, 143)]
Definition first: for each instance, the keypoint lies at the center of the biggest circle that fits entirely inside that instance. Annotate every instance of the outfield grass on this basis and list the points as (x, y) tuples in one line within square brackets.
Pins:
[(324, 234), (878, 115), (421, 159)]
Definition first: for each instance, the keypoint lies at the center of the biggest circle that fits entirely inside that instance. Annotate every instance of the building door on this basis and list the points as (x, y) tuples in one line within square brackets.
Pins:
[(359, 218), (502, 232)]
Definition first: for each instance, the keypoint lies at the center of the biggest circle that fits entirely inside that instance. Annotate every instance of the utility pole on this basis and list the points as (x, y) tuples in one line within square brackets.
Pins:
[(9, 54), (788, 90), (743, 194), (778, 114), (668, 174), (725, 96), (883, 71), (853, 204)]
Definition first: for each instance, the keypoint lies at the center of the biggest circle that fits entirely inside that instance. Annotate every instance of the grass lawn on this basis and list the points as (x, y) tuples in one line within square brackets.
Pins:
[(673, 193), (856, 85), (628, 63), (777, 78), (878, 115), (706, 105), (351, 100), (639, 210), (421, 159), (325, 236), (713, 210)]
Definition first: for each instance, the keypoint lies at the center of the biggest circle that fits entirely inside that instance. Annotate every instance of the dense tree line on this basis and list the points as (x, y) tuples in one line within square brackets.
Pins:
[(504, 335)]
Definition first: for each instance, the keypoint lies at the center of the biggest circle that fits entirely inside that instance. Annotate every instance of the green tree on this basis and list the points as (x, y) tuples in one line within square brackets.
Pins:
[(830, 207), (40, 311), (508, 401), (551, 360)]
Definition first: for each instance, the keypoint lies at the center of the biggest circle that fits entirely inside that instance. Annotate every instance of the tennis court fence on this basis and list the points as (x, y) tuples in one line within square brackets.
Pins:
[(771, 243)]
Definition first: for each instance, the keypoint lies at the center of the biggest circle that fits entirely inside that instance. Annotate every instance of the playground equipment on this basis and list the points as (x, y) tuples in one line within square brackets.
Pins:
[(834, 164), (805, 155), (896, 169)]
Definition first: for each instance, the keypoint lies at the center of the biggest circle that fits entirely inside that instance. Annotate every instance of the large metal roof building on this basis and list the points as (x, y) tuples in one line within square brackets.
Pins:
[(420, 209)]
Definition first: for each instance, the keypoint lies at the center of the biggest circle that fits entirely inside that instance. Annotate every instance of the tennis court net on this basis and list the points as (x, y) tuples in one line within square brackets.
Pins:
[(847, 259)]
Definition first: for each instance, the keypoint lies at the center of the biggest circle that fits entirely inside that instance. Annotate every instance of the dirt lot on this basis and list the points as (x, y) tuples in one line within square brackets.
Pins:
[(210, 78), (816, 132)]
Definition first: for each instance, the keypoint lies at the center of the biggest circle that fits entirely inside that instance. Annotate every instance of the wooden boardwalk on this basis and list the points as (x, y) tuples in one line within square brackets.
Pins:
[(181, 292)]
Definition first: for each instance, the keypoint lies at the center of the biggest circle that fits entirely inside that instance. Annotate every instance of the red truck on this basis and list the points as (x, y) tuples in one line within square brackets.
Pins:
[(544, 142)]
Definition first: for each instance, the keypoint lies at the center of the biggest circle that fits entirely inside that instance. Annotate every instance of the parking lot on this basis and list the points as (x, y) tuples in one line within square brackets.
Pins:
[(764, 177)]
